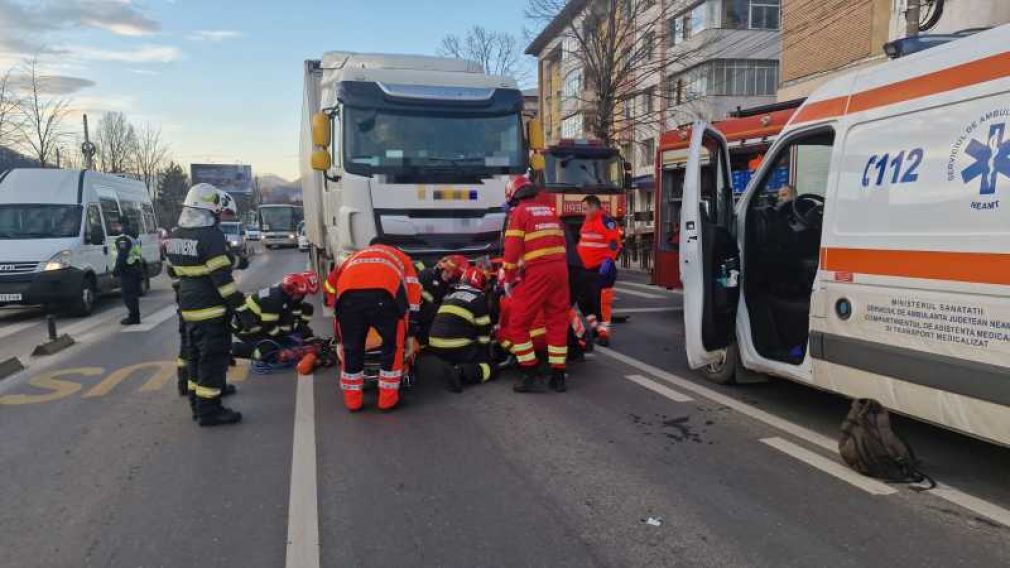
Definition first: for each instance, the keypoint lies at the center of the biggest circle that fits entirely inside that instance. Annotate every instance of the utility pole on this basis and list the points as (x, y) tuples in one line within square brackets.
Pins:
[(912, 9), (87, 148)]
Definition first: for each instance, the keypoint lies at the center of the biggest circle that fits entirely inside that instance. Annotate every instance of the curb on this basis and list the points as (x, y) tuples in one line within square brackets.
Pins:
[(54, 346), (10, 366)]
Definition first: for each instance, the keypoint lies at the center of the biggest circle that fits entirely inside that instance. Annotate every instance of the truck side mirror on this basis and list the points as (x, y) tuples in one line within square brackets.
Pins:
[(321, 130), (535, 135)]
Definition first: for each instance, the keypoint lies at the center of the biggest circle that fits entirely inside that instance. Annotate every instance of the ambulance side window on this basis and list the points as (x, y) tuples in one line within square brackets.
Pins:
[(716, 193)]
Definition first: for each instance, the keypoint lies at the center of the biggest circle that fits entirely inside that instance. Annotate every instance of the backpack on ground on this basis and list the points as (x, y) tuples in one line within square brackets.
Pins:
[(869, 446)]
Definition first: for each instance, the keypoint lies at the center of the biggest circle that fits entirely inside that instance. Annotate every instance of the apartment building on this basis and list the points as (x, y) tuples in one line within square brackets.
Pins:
[(822, 39), (711, 57)]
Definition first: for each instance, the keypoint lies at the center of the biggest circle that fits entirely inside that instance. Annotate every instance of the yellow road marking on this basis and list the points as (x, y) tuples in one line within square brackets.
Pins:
[(164, 370), (59, 388)]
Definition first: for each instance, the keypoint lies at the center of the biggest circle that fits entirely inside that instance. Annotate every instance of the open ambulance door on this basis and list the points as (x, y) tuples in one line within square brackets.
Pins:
[(709, 257)]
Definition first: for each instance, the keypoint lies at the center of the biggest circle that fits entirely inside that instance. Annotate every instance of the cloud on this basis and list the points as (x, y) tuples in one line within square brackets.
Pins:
[(51, 84), (143, 54), (214, 35), (143, 72)]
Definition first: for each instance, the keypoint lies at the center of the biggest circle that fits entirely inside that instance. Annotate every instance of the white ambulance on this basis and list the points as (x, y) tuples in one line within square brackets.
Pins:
[(882, 269)]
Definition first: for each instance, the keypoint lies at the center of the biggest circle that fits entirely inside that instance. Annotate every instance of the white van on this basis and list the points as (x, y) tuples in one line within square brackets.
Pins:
[(57, 233), (882, 270)]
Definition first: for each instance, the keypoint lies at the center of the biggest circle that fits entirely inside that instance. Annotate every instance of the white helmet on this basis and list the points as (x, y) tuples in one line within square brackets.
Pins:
[(209, 198)]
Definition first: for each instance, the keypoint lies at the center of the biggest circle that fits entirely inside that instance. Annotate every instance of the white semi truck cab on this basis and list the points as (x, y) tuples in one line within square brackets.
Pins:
[(415, 151)]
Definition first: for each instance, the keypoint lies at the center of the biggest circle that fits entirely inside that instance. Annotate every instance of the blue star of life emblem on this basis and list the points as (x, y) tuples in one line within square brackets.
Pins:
[(991, 159)]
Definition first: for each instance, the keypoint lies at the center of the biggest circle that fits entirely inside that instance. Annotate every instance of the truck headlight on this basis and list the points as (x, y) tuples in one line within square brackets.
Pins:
[(59, 261)]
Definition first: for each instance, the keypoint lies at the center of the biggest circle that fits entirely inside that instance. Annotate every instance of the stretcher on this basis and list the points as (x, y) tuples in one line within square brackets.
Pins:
[(373, 360)]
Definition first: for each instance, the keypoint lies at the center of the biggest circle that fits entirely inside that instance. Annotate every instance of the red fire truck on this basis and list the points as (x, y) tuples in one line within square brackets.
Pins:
[(574, 169), (750, 132)]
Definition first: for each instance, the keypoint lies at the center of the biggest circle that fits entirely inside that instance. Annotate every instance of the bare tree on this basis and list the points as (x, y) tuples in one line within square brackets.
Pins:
[(497, 52), (116, 140), (41, 127), (10, 111), (617, 45), (150, 153)]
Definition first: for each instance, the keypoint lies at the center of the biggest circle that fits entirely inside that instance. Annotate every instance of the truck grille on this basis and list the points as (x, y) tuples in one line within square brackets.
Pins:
[(19, 267)]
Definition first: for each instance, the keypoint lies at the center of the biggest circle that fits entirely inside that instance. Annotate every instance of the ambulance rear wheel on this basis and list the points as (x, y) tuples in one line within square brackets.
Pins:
[(723, 371)]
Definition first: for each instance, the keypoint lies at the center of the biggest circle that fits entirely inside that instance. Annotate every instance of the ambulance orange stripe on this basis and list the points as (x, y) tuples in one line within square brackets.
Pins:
[(964, 75), (974, 267)]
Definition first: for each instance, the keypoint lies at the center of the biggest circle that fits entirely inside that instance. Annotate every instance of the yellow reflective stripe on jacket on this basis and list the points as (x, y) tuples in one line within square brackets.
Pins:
[(544, 233), (428, 297), (484, 339), (509, 265), (519, 233), (227, 290), (538, 332), (485, 372), (444, 343), (562, 350), (329, 287), (543, 252), (204, 314), (483, 320), (218, 262), (256, 309), (456, 311)]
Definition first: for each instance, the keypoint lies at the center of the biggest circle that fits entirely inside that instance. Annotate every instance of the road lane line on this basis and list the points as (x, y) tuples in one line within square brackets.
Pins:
[(303, 504), (152, 321), (12, 329), (830, 467), (619, 311), (658, 388), (980, 506), (630, 292)]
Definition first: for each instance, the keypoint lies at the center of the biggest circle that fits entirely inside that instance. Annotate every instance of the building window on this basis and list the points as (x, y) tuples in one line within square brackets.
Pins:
[(764, 14), (752, 14), (696, 21), (573, 84), (733, 77), (648, 101), (648, 148), (571, 127), (648, 45)]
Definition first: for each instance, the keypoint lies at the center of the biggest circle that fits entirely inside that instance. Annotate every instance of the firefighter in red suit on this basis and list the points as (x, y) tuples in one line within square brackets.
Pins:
[(376, 287), (535, 275), (599, 247)]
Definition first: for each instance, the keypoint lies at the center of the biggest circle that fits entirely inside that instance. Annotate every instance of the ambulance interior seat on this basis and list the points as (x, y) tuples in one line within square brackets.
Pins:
[(782, 246)]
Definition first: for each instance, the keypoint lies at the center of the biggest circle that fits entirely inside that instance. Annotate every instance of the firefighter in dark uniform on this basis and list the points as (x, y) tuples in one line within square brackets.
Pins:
[(130, 271), (198, 256), (436, 281), (461, 333), (272, 315)]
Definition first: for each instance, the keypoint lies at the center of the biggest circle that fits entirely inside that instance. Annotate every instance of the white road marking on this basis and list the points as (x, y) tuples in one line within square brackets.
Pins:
[(15, 328), (980, 506), (652, 287), (152, 321), (830, 467), (659, 389), (645, 310), (90, 322), (303, 503), (622, 290)]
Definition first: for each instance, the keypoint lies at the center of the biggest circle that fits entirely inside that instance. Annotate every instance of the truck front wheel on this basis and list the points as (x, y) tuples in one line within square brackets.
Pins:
[(723, 371)]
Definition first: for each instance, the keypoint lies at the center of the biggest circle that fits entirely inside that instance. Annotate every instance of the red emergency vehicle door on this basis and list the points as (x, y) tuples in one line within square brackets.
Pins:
[(708, 249)]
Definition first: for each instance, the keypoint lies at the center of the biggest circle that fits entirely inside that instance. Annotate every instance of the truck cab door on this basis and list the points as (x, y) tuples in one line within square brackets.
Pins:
[(709, 257)]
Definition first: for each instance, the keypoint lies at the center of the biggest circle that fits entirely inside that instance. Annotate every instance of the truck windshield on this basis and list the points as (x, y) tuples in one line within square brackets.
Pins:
[(280, 218), (30, 221), (229, 228), (388, 141), (582, 172)]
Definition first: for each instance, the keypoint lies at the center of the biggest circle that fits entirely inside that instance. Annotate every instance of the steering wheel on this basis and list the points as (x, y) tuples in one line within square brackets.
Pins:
[(807, 211)]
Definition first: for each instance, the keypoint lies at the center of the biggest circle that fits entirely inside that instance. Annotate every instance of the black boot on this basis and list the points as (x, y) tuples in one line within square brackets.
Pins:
[(558, 381), (210, 412), (129, 320), (530, 382), (454, 379)]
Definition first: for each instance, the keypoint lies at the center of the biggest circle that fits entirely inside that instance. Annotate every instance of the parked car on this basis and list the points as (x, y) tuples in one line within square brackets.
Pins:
[(252, 233), (57, 235), (236, 234), (303, 239)]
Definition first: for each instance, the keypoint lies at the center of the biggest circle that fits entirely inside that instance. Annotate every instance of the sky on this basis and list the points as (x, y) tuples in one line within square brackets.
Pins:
[(222, 78)]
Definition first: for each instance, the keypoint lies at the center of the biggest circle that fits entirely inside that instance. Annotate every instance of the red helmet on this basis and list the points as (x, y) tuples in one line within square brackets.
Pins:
[(518, 188), (300, 284), (474, 277), (453, 265)]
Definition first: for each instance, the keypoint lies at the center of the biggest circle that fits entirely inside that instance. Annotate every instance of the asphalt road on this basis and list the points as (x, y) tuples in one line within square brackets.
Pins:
[(103, 467)]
